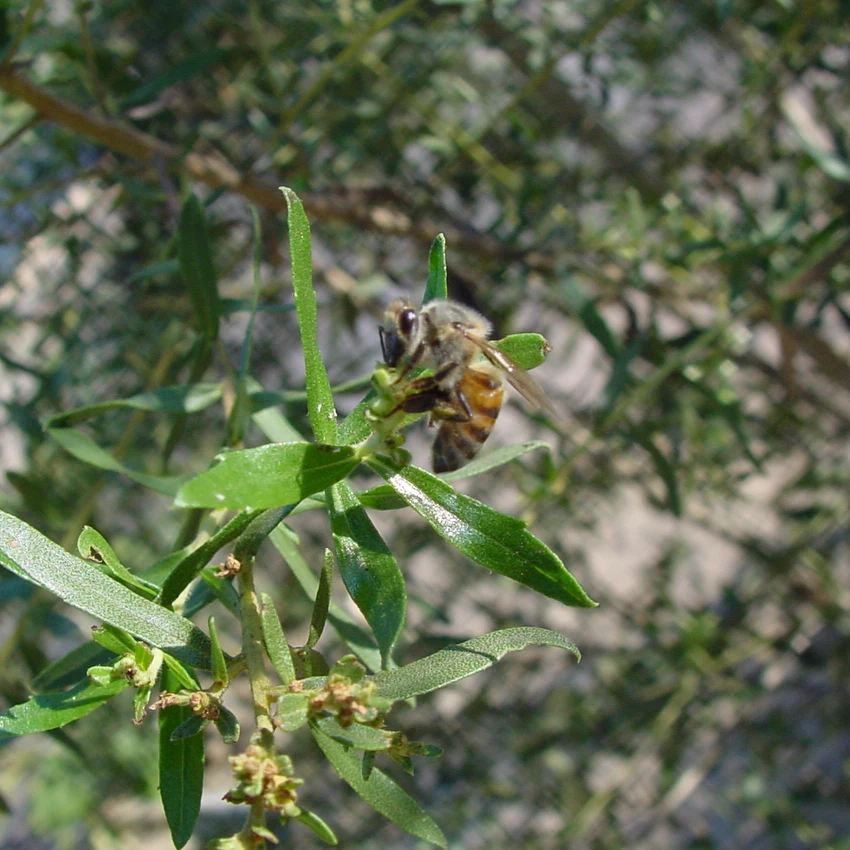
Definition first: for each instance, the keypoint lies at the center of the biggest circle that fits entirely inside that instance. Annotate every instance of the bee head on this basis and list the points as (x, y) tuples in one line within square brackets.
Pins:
[(401, 323)]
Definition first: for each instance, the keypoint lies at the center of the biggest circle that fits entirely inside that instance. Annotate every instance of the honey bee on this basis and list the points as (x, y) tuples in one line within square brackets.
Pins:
[(466, 391)]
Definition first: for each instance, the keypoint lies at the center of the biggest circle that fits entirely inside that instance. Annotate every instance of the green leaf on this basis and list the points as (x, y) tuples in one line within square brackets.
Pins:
[(498, 542), (219, 663), (384, 498), (71, 667), (190, 398), (493, 460), (227, 725), (380, 792), (462, 660), (666, 472), (51, 711), (356, 428), (323, 598), (192, 725), (84, 448), (358, 640), (114, 639), (526, 350), (357, 736), (197, 268), (309, 662), (181, 769), (182, 678), (30, 555), (584, 308), (437, 285), (221, 587), (293, 711), (368, 569), (318, 826), (250, 541), (621, 377), (732, 413), (811, 134), (166, 267), (244, 305), (268, 476), (92, 546), (157, 572), (191, 66), (271, 421), (277, 646), (320, 402)]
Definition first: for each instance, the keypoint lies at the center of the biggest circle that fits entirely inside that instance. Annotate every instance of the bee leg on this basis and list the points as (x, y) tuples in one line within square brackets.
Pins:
[(421, 395), (409, 363), (456, 408)]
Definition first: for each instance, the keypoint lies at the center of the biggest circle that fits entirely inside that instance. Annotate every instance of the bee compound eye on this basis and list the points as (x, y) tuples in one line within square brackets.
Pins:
[(407, 322)]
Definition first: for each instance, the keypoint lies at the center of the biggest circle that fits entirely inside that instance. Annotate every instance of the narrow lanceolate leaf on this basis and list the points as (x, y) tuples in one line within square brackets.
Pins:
[(368, 569), (312, 821), (665, 469), (189, 398), (196, 267), (268, 476), (583, 306), (380, 792), (116, 640), (277, 647), (492, 460), (320, 402), (30, 555), (93, 546), (323, 598), (181, 768), (219, 663), (189, 67), (228, 726), (356, 428), (498, 542), (457, 662), (71, 668), (437, 284), (384, 498), (271, 421), (355, 735), (84, 448), (358, 640), (51, 711)]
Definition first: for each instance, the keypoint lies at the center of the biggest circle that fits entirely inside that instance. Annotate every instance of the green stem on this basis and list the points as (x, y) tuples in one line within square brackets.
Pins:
[(253, 642), (253, 647)]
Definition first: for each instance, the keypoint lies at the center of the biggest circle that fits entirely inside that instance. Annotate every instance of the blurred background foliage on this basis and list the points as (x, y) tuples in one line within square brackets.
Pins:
[(661, 188)]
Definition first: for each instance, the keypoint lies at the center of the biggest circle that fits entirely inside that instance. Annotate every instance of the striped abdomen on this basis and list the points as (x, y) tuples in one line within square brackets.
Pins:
[(458, 442)]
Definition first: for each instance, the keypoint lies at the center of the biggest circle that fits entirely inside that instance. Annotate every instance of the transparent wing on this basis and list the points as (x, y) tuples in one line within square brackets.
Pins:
[(517, 377)]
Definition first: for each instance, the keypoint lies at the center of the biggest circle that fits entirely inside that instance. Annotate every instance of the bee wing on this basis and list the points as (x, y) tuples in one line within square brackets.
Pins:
[(517, 377)]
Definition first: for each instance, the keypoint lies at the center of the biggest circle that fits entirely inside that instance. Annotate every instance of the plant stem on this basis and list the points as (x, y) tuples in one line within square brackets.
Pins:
[(253, 647)]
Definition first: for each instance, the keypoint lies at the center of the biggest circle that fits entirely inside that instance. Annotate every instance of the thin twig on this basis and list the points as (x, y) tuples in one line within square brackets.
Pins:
[(216, 172)]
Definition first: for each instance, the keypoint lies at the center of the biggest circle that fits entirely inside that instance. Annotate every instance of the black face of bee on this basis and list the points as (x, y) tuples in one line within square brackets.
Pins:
[(396, 340)]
